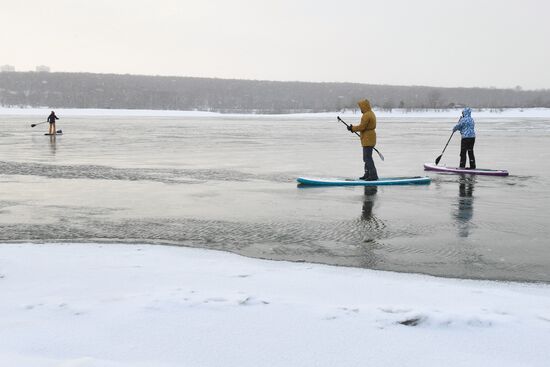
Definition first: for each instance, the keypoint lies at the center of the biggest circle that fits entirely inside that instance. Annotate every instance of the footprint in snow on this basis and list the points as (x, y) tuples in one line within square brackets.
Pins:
[(32, 307), (394, 309), (443, 321), (398, 315), (412, 321), (214, 299), (349, 311), (250, 301), (343, 311)]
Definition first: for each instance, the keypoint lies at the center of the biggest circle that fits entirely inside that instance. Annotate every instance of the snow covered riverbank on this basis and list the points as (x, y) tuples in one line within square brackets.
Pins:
[(395, 113), (141, 305)]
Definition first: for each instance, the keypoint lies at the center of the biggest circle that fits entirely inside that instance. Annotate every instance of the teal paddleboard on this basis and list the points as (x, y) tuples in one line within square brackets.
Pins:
[(417, 180)]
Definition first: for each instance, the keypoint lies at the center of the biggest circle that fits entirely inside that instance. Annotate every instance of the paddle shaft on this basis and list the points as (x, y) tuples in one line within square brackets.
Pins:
[(376, 150), (43, 122), (342, 121), (448, 141)]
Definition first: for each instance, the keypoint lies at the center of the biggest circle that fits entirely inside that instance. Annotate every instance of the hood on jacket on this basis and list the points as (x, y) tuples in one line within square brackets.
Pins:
[(467, 112), (364, 105)]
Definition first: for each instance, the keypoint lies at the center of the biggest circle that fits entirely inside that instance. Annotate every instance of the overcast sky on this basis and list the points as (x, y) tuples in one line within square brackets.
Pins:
[(479, 43)]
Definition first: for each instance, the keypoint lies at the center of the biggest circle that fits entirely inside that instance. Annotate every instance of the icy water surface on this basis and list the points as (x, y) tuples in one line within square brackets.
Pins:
[(229, 183)]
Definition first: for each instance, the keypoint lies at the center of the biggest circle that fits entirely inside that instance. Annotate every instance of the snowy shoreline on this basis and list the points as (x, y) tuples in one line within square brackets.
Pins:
[(396, 113), (146, 305)]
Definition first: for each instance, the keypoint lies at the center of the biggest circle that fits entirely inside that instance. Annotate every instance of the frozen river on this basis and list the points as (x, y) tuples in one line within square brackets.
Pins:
[(229, 183)]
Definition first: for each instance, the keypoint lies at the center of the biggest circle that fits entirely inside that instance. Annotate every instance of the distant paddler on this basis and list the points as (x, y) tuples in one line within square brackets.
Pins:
[(51, 119)]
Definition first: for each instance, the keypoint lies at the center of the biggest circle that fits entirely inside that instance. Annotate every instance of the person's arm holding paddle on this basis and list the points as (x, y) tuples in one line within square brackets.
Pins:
[(460, 123)]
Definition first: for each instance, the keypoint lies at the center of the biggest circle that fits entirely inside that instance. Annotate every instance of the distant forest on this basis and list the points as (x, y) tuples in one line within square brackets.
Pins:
[(86, 90)]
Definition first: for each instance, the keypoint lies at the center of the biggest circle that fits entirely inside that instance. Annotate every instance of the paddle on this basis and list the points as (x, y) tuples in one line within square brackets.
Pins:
[(43, 122), (376, 150), (439, 158)]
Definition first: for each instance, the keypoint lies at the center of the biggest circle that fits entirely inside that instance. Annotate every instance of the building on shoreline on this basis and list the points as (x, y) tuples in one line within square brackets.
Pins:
[(42, 69), (7, 68)]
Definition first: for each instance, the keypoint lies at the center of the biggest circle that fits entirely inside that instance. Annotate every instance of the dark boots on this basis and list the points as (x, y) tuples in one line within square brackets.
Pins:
[(370, 168), (467, 147), (366, 177)]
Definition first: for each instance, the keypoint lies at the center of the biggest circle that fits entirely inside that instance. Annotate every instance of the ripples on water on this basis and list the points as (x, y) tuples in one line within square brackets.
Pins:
[(182, 183)]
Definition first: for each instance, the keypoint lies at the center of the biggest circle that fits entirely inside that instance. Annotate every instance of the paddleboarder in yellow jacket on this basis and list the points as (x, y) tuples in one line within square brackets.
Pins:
[(367, 130)]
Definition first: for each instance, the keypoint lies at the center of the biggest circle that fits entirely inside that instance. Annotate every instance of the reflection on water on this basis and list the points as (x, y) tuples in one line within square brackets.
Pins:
[(370, 226), (368, 202), (53, 145), (465, 208)]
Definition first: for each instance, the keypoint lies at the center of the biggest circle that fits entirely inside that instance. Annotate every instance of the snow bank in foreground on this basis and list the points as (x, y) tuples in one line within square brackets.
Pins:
[(397, 113), (140, 305)]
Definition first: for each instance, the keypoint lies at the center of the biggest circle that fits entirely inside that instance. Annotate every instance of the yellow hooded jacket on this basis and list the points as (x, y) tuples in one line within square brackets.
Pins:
[(367, 127)]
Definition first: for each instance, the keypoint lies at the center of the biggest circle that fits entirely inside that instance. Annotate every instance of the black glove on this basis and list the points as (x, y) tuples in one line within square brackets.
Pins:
[(349, 128)]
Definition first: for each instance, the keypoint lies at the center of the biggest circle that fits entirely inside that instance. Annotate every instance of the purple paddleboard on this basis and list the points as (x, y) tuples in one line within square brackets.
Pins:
[(468, 171)]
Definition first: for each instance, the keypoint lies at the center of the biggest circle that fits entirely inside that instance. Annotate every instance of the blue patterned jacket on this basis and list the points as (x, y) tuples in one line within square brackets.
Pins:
[(466, 124)]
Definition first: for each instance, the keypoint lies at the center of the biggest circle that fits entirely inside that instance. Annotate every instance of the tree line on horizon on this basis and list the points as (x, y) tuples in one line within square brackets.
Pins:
[(115, 91)]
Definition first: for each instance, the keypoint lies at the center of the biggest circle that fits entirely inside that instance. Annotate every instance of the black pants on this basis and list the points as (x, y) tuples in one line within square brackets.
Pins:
[(467, 146), (370, 169)]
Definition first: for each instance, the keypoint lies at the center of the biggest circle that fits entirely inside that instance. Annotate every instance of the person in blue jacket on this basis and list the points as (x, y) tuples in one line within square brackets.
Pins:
[(466, 126)]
